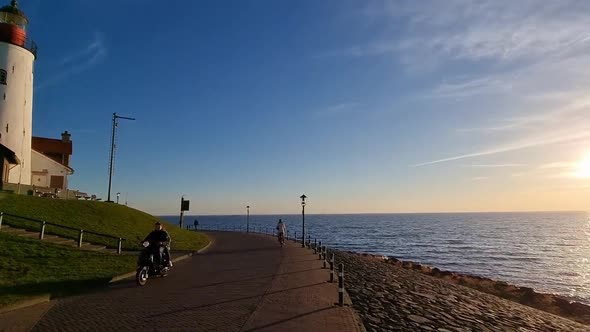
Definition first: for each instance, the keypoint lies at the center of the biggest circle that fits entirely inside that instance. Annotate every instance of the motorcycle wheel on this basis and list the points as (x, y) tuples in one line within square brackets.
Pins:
[(141, 276)]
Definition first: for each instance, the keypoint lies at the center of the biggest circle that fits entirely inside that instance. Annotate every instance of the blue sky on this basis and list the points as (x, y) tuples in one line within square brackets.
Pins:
[(378, 106)]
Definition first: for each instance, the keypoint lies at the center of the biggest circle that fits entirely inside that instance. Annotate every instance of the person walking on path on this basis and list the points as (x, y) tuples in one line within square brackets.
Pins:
[(282, 231)]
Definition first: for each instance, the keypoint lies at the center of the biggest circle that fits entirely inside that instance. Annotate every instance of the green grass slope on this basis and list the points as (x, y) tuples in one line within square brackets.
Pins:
[(105, 218), (30, 267)]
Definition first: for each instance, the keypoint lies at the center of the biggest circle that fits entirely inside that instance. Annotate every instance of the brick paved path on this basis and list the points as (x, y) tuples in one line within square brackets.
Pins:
[(242, 283)]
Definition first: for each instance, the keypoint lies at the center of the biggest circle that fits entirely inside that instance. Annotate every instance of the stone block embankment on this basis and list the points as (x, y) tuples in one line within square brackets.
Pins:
[(389, 297)]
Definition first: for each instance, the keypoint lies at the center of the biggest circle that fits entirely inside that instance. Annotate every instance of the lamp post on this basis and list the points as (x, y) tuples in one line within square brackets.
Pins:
[(303, 197), (111, 163), (118, 194), (248, 219)]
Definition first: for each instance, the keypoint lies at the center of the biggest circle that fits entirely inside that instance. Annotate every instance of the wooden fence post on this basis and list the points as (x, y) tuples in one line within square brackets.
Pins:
[(80, 238), (42, 233)]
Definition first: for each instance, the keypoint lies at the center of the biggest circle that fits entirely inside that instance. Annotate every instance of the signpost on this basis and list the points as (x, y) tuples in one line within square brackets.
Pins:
[(184, 206)]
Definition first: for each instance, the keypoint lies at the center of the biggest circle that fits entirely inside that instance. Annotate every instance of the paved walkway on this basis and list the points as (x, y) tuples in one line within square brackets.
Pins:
[(242, 283)]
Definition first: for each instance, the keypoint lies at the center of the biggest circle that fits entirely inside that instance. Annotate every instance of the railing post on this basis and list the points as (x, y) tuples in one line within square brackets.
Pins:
[(80, 238), (320, 253), (42, 233), (324, 256), (341, 284), (332, 267), (309, 241), (315, 246), (295, 239), (119, 246), (1, 217)]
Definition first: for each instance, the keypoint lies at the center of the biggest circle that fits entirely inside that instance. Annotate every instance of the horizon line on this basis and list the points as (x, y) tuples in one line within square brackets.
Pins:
[(376, 213)]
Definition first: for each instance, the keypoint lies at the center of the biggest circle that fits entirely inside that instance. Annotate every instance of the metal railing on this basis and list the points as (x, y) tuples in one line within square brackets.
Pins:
[(81, 232), (31, 46)]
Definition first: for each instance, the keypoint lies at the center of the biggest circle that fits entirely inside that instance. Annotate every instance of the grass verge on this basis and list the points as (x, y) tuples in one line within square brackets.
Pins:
[(31, 267), (106, 218)]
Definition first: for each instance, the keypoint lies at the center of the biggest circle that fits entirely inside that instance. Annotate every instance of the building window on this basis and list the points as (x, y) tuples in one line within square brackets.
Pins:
[(3, 76)]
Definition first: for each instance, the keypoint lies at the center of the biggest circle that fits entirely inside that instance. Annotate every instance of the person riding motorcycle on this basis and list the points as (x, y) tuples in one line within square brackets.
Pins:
[(159, 234)]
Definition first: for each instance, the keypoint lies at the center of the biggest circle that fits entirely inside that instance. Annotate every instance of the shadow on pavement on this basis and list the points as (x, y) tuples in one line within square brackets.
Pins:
[(236, 251), (56, 289), (288, 319), (251, 279), (230, 301)]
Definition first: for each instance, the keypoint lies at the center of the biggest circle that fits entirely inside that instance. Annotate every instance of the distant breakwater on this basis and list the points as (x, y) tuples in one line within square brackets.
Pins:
[(385, 296)]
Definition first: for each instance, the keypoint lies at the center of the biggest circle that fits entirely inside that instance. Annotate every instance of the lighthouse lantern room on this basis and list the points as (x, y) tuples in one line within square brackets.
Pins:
[(17, 55)]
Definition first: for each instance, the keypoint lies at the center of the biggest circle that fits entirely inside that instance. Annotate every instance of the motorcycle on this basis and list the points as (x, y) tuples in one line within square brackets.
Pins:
[(151, 262)]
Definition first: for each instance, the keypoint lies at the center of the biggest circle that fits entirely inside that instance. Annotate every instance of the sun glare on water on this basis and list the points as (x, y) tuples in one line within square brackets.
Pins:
[(583, 167)]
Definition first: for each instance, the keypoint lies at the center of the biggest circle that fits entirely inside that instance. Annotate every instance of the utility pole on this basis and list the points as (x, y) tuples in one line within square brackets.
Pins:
[(115, 124)]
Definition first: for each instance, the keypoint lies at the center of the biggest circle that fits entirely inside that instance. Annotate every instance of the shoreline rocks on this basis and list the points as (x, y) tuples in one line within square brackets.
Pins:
[(524, 295), (394, 295)]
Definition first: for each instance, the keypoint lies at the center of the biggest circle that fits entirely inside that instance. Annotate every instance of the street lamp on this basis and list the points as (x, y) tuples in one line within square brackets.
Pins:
[(303, 197), (118, 194), (248, 219)]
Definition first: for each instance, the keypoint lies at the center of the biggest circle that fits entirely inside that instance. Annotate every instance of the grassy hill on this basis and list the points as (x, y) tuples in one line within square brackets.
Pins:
[(30, 267), (106, 218)]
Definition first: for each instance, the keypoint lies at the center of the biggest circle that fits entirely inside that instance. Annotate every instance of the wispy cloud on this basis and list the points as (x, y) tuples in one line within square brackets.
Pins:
[(477, 86), (559, 164), (479, 178), (529, 143), (78, 61), (94, 50), (494, 165), (472, 30), (337, 109), (518, 70)]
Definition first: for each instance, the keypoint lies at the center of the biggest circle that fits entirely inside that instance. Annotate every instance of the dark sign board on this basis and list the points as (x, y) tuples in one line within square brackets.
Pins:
[(184, 205)]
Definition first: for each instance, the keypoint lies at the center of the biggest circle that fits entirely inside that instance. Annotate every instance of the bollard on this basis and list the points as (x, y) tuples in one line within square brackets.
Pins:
[(332, 267), (42, 233), (320, 252), (315, 246), (341, 284), (324, 257), (119, 246), (80, 238), (1, 217)]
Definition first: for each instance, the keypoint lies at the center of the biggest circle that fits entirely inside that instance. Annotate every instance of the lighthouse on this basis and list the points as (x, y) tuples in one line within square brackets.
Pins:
[(17, 55)]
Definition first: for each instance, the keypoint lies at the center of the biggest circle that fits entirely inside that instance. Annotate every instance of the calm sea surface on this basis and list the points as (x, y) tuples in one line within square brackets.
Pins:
[(548, 251)]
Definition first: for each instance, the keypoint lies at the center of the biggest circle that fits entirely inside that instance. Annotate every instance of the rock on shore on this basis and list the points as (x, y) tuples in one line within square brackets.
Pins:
[(391, 298)]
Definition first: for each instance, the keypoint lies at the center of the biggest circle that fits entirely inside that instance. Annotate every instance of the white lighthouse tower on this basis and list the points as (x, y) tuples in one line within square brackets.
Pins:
[(17, 54)]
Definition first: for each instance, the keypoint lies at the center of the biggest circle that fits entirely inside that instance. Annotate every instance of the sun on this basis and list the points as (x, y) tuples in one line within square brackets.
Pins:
[(583, 167)]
